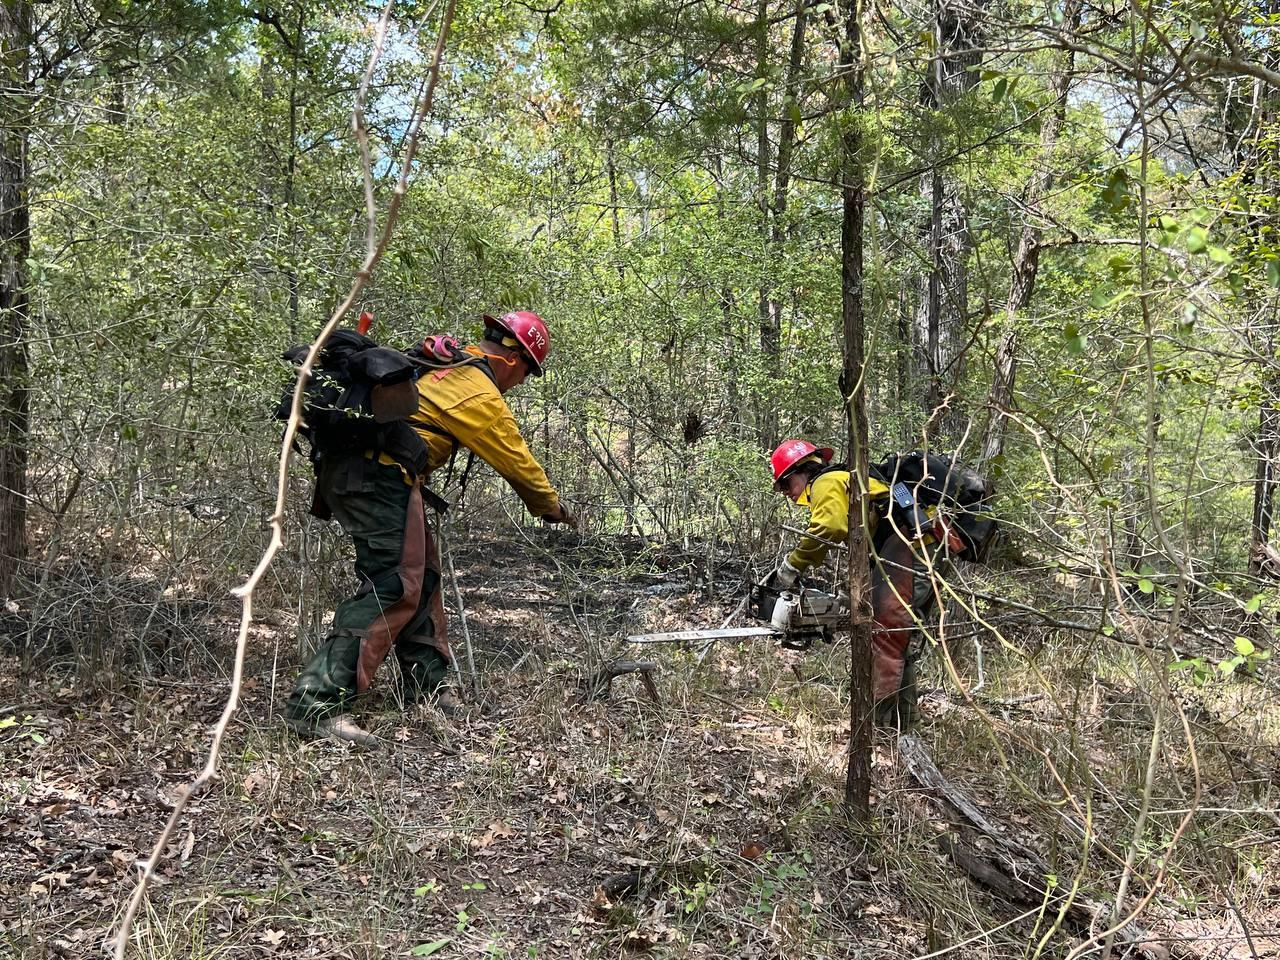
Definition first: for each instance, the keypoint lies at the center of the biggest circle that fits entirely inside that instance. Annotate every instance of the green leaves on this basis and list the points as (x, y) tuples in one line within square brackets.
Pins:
[(1196, 667), (427, 949), (1197, 241), (1248, 658), (1075, 340), (1116, 192), (26, 730)]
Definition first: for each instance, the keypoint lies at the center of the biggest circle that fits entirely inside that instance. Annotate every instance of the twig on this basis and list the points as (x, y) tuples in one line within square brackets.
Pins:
[(245, 592), (632, 484), (813, 536), (447, 549), (601, 682), (706, 647)]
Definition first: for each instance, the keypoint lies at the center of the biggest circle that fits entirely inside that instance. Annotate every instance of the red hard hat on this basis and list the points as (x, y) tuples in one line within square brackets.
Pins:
[(791, 452), (529, 331)]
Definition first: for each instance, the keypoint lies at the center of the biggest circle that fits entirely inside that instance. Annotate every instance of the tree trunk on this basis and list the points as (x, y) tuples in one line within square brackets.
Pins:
[(290, 178), (15, 249), (1026, 263), (729, 321), (629, 451), (1259, 115), (770, 321), (944, 290), (902, 381), (857, 787), (1266, 448), (787, 125)]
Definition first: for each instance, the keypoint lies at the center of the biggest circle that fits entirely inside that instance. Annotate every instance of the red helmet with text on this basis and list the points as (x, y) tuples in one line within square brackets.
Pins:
[(528, 330), (791, 453)]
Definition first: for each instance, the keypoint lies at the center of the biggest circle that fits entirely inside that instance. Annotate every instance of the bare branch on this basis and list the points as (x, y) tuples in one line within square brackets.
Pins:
[(1233, 66), (245, 592)]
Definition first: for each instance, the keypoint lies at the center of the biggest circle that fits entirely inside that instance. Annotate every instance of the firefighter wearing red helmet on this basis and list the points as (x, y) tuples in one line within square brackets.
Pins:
[(380, 505), (529, 333), (901, 593)]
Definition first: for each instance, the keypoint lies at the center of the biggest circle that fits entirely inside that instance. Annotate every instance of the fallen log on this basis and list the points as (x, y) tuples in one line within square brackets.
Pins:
[(1012, 870)]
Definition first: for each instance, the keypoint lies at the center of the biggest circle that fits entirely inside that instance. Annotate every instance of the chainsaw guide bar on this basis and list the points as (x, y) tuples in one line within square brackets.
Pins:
[(691, 636), (795, 617)]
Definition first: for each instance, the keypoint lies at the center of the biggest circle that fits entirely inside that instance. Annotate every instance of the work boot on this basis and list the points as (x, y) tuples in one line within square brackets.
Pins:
[(340, 727), (898, 711), (448, 704), (895, 713)]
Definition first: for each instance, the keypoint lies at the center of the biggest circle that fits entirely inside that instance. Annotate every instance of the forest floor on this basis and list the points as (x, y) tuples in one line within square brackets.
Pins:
[(706, 824)]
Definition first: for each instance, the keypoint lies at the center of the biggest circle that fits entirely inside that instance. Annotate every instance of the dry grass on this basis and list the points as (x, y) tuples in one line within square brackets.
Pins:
[(494, 834)]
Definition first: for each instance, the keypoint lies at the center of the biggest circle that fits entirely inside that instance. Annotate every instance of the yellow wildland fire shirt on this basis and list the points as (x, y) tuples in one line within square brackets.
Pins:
[(466, 404), (827, 498)]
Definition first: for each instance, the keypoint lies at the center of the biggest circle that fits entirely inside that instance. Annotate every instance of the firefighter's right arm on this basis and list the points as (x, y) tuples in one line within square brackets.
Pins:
[(486, 426), (828, 520)]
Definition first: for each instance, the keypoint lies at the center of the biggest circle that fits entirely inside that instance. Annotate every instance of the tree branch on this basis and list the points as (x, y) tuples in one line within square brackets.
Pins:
[(246, 591)]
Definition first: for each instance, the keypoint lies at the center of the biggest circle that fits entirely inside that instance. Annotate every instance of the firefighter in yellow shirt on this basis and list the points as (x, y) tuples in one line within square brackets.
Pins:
[(901, 594), (377, 496)]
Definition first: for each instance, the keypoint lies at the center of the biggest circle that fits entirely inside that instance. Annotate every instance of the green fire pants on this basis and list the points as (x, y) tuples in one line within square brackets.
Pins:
[(398, 604)]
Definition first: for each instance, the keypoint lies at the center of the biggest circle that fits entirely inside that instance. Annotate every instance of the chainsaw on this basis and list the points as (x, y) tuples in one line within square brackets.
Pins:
[(795, 617)]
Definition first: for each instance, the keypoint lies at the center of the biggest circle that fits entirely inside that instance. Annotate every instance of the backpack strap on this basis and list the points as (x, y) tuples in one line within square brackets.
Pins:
[(480, 361), (463, 358)]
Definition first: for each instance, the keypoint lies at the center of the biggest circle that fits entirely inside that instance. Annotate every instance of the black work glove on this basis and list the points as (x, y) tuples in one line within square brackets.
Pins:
[(562, 515)]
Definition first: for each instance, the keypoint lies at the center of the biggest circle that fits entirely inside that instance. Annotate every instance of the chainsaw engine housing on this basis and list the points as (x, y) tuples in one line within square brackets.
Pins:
[(802, 615)]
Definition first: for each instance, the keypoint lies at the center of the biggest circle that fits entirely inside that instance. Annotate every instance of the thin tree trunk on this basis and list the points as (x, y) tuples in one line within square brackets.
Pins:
[(1266, 444), (772, 310), (728, 317), (1266, 449), (15, 249), (857, 787), (787, 126), (902, 385), (629, 448), (769, 320), (1026, 263), (290, 178), (944, 293)]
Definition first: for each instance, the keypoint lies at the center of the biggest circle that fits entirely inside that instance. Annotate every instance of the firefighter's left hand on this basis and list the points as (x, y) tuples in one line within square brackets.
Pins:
[(785, 576)]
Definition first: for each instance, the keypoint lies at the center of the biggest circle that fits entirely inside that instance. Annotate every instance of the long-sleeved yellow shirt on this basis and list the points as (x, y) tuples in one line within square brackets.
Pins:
[(465, 403), (828, 499)]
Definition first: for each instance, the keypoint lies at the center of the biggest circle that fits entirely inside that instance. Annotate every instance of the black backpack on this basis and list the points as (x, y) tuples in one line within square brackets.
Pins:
[(919, 479), (358, 398)]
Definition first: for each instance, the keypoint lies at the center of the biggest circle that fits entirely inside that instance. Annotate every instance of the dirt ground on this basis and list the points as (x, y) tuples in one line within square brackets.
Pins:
[(540, 824)]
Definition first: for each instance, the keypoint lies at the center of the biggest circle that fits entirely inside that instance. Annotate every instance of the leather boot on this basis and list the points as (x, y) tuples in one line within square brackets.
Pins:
[(340, 727)]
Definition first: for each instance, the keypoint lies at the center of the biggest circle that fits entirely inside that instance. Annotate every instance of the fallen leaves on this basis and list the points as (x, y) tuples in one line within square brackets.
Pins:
[(272, 938), (497, 831), (45, 885), (752, 850)]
